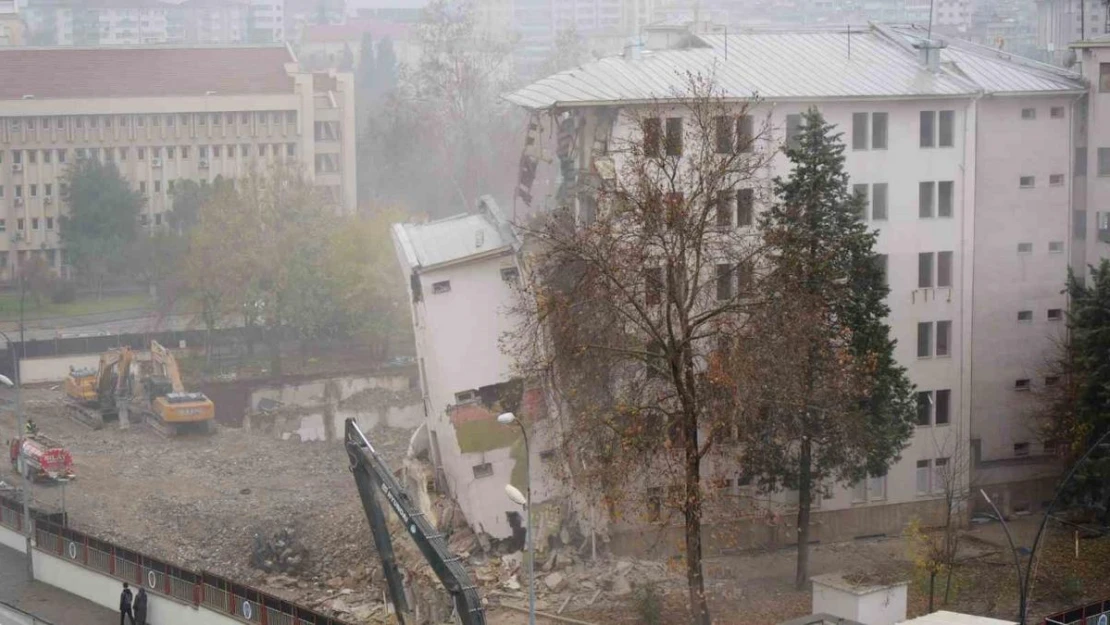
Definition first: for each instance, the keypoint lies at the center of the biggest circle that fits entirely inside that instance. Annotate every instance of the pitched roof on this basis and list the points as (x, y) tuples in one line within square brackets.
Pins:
[(455, 238), (864, 62), (142, 71)]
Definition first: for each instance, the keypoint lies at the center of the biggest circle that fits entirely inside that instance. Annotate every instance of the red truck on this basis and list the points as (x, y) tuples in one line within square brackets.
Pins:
[(38, 457)]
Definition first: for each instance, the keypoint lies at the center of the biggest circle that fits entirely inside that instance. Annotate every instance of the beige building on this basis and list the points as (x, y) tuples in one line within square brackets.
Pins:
[(161, 115), (12, 28)]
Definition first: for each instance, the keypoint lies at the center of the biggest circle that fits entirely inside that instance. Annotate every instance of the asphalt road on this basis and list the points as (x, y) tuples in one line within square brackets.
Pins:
[(46, 602)]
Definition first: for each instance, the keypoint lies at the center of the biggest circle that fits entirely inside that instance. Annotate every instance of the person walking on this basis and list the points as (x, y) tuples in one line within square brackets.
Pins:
[(140, 607), (125, 604)]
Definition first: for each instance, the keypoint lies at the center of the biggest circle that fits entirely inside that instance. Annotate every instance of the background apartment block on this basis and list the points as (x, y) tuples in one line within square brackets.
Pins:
[(134, 22), (973, 229), (161, 115)]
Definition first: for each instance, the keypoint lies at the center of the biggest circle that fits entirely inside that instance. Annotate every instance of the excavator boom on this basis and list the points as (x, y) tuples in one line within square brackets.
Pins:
[(165, 364), (372, 475)]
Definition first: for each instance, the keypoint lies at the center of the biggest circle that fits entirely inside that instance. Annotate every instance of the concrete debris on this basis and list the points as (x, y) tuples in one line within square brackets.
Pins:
[(555, 582), (281, 553)]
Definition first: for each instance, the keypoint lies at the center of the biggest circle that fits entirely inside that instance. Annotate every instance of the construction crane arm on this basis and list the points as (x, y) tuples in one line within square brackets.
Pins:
[(372, 475)]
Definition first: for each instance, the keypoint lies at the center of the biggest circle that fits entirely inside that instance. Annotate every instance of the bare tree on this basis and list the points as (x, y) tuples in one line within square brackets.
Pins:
[(630, 295)]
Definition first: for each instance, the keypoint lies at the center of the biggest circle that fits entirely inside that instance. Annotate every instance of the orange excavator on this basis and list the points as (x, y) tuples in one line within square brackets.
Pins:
[(168, 408), (94, 395)]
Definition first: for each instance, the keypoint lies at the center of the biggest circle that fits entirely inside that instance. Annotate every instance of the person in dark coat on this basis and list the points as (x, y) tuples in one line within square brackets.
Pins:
[(125, 605), (140, 607)]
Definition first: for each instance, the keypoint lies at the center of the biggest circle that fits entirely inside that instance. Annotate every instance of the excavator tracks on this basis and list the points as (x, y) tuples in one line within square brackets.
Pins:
[(89, 417)]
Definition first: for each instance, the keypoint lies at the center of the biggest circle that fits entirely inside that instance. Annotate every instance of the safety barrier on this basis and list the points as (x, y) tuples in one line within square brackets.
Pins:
[(200, 589), (1097, 613)]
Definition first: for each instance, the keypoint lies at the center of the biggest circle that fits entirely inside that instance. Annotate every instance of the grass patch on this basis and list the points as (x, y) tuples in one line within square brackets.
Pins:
[(85, 305), (485, 435)]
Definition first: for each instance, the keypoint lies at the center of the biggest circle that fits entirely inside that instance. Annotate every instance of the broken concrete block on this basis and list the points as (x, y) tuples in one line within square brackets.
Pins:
[(556, 582), (621, 587)]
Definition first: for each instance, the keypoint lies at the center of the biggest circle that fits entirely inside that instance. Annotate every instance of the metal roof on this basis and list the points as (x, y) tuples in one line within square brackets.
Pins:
[(838, 63), (996, 71), (455, 238)]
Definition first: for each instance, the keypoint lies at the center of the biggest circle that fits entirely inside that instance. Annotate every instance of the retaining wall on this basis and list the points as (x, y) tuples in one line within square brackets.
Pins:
[(13, 539), (54, 369)]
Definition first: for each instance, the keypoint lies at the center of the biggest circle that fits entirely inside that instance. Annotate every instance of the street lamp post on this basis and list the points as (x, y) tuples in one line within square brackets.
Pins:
[(1025, 579), (524, 499), (6, 381)]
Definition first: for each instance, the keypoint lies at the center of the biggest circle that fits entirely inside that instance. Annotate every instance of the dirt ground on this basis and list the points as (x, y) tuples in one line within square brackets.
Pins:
[(200, 501)]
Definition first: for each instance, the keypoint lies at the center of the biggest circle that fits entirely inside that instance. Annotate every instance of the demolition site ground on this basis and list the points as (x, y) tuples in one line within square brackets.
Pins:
[(242, 499)]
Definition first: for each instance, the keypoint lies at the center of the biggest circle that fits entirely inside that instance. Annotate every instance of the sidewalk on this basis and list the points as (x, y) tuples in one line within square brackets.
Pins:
[(46, 602)]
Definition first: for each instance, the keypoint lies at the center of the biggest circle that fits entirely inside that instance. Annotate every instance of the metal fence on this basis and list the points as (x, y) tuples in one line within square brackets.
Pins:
[(1097, 613), (159, 577)]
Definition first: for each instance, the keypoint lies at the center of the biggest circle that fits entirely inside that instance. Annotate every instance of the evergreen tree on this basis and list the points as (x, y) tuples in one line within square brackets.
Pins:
[(839, 408), (102, 221), (1078, 406)]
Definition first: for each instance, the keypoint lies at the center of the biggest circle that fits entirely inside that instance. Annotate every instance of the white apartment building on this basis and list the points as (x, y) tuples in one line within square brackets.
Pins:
[(161, 115), (462, 272), (1063, 22), (137, 22), (973, 224)]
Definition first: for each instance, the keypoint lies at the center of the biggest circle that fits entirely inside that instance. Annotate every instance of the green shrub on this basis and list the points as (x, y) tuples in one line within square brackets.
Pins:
[(649, 605)]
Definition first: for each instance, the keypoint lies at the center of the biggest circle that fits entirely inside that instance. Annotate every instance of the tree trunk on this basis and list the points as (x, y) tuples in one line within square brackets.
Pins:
[(699, 607), (801, 577), (275, 351), (932, 581)]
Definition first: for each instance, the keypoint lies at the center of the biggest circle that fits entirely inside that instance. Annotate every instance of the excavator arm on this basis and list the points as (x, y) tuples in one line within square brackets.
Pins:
[(372, 475), (165, 364)]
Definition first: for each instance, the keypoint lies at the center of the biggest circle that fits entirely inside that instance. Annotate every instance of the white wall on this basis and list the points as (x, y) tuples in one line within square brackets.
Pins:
[(55, 369), (13, 539), (105, 591)]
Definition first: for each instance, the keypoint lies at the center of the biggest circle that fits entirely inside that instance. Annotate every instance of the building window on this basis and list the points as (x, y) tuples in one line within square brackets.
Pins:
[(1021, 449), (1055, 314), (49, 223), (1056, 180), (80, 122), (202, 152), (940, 474), (1055, 247), (925, 270), (34, 223), (443, 286), (17, 156), (158, 219), (925, 339), (923, 475), (142, 187), (861, 192), (202, 119), (925, 193), (510, 274), (724, 210), (724, 282), (879, 200), (157, 186), (946, 136), (216, 119), (1025, 315), (674, 136), (19, 223), (1104, 77), (793, 130), (944, 269), (943, 399), (1056, 112), (262, 149), (61, 155), (878, 140), (1051, 380), (483, 470), (724, 127), (32, 156), (860, 130), (1025, 248), (924, 408), (1021, 385), (1029, 113), (244, 118), (169, 152), (184, 151), (928, 128), (1027, 182), (944, 198), (245, 150), (944, 338), (215, 151), (169, 185), (19, 190), (169, 121), (745, 133), (93, 118), (651, 129), (34, 188)]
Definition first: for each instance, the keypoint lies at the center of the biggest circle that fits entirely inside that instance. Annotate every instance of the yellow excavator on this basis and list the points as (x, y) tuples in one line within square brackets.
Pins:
[(169, 408), (94, 394)]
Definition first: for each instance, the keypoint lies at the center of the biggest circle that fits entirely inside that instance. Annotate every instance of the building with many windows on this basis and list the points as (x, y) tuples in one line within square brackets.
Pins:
[(973, 232), (161, 115)]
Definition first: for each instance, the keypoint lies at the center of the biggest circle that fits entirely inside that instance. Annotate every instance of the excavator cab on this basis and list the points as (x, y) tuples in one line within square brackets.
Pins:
[(81, 384), (93, 393)]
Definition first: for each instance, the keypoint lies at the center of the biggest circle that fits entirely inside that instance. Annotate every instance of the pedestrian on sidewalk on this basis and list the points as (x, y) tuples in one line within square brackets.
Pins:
[(140, 607), (125, 604)]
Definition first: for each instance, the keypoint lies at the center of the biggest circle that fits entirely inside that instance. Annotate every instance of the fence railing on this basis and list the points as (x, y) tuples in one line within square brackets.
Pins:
[(201, 589), (1096, 613)]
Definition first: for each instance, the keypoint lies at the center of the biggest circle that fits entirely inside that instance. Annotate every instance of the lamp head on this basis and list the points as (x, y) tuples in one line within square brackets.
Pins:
[(515, 495), (506, 418)]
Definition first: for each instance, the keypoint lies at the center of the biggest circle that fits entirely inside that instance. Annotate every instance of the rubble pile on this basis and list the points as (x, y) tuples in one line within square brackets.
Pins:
[(279, 553)]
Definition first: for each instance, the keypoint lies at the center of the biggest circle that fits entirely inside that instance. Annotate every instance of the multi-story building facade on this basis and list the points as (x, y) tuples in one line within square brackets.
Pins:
[(1063, 22), (12, 28), (137, 22), (160, 116), (973, 230)]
